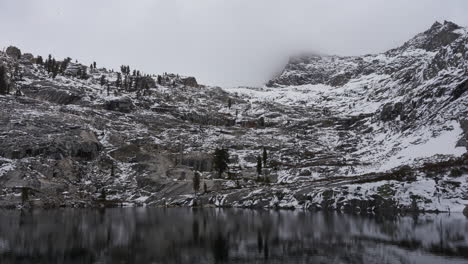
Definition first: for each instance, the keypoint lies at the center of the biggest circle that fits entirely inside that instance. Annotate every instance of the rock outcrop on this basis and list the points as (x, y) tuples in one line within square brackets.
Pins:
[(13, 52), (124, 105), (190, 81)]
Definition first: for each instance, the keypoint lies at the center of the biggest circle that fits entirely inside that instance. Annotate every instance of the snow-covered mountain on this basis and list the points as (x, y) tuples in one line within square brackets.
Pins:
[(385, 132)]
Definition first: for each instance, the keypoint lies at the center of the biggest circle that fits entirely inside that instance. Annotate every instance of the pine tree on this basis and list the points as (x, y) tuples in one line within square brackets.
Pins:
[(103, 80), (118, 82), (84, 74), (265, 157), (39, 60), (55, 68), (259, 165), (3, 80), (103, 194), (49, 64), (64, 64), (159, 79), (94, 65), (221, 160), (229, 103), (205, 188), (135, 83), (196, 182)]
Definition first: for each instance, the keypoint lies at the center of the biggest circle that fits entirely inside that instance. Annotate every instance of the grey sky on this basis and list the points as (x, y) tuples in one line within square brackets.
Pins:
[(235, 42)]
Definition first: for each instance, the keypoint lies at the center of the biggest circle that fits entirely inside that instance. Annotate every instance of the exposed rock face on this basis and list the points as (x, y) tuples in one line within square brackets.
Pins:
[(146, 82), (381, 133), (437, 36), (13, 52), (198, 161), (73, 69), (27, 58), (52, 94), (190, 81), (391, 111), (460, 90), (124, 105), (77, 144), (463, 141)]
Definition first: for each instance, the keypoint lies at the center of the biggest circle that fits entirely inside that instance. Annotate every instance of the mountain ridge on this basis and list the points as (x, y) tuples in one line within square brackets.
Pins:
[(381, 133)]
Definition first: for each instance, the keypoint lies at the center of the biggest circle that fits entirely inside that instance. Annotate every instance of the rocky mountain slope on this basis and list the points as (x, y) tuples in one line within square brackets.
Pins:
[(375, 133)]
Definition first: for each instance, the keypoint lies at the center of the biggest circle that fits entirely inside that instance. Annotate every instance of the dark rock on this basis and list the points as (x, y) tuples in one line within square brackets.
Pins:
[(13, 52), (463, 141), (78, 144), (440, 35), (74, 69), (340, 79), (459, 90), (198, 161), (391, 111), (124, 105), (190, 81), (27, 58), (145, 82), (305, 172), (214, 119), (52, 94)]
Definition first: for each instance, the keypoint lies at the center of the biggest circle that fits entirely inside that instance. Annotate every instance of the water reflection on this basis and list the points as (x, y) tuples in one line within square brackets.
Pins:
[(150, 235)]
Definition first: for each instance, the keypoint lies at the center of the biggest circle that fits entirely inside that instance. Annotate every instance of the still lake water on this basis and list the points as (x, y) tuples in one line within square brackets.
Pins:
[(184, 235)]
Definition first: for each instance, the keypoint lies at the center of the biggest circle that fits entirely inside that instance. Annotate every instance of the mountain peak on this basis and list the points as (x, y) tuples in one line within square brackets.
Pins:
[(437, 36), (437, 27)]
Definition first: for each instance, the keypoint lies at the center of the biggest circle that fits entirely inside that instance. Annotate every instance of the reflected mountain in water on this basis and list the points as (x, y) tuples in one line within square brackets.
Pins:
[(152, 235)]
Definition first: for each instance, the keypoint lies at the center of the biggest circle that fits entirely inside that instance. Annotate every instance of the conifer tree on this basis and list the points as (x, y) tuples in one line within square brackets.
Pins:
[(39, 60), (102, 80), (196, 182), (64, 64), (55, 68), (265, 157), (49, 64), (259, 165), (221, 160), (118, 82), (84, 74), (94, 65), (3, 80)]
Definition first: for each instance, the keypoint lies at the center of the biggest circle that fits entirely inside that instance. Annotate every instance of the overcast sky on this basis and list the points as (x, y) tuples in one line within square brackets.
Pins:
[(222, 42)]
